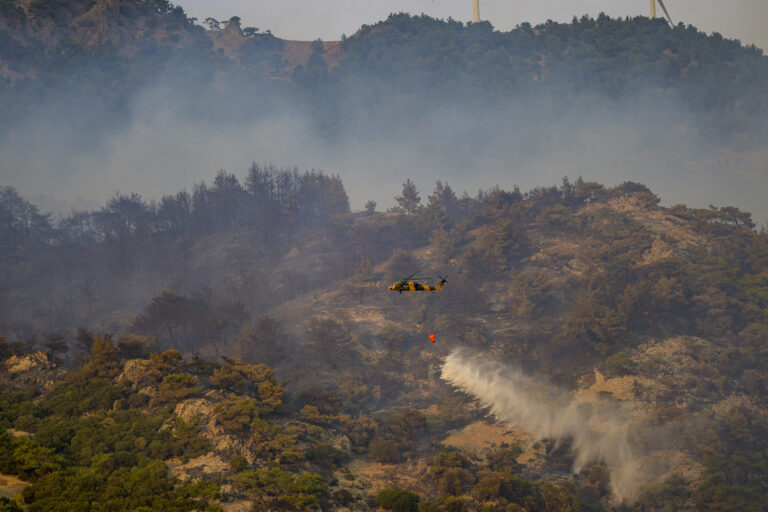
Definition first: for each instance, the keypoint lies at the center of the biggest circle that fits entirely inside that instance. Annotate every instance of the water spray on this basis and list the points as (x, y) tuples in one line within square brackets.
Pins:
[(548, 413)]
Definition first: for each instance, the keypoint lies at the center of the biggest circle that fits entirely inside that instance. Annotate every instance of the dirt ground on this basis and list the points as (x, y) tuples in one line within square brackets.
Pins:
[(10, 486)]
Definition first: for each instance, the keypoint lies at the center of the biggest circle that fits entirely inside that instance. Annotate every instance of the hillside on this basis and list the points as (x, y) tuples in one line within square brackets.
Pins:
[(87, 58), (614, 59), (654, 316), (104, 54), (233, 345)]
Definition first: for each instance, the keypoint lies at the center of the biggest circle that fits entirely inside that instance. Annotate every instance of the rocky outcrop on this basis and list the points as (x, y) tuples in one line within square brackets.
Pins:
[(138, 377), (205, 466), (34, 370), (229, 40), (203, 411)]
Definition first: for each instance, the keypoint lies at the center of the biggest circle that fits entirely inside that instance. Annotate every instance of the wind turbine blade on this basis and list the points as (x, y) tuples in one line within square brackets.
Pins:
[(661, 3)]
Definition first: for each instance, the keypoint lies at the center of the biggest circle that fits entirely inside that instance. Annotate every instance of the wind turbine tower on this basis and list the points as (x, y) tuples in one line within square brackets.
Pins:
[(653, 10), (476, 4)]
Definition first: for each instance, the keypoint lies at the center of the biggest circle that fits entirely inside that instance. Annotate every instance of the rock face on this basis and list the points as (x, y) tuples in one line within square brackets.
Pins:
[(137, 375), (34, 369), (203, 411), (22, 364), (230, 40), (206, 465)]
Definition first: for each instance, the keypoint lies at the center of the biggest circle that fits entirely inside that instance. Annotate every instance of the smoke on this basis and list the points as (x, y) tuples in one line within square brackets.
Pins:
[(378, 136), (530, 142), (597, 435), (186, 123)]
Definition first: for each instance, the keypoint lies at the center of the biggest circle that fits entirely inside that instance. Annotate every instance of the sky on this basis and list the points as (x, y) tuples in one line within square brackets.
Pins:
[(329, 19)]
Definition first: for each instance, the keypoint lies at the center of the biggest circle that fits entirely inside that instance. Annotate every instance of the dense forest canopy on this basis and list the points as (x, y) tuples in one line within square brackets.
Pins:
[(618, 58)]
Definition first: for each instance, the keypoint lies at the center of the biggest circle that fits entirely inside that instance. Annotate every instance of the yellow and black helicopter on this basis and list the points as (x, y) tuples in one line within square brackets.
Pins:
[(409, 284)]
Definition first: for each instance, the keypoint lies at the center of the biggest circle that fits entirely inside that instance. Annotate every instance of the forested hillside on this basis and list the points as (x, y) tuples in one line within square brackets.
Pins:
[(233, 345), (87, 59), (601, 291), (613, 58), (100, 55)]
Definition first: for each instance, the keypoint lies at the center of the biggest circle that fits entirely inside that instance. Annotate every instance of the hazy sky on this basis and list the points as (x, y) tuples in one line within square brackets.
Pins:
[(328, 19)]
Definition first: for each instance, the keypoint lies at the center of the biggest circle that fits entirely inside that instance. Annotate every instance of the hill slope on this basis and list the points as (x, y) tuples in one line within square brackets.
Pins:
[(111, 49), (602, 298)]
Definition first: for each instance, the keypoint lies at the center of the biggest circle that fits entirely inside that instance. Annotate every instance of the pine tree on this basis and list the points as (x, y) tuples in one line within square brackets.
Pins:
[(410, 199)]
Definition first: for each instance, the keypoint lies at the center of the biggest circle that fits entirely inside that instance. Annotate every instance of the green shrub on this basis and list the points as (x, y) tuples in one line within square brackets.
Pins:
[(383, 449), (344, 497), (326, 455), (14, 406), (236, 415), (237, 463), (427, 506), (176, 387), (397, 500), (75, 397)]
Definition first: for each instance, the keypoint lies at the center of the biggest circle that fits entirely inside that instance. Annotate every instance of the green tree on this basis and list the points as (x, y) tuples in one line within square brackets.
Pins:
[(409, 200), (408, 426), (330, 338), (317, 46), (174, 388), (453, 472), (262, 343), (398, 500)]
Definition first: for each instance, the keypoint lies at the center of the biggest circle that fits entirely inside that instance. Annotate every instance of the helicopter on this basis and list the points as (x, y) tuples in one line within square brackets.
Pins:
[(409, 284)]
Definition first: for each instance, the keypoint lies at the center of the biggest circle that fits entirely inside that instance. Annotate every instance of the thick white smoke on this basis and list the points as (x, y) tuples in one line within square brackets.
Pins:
[(548, 413)]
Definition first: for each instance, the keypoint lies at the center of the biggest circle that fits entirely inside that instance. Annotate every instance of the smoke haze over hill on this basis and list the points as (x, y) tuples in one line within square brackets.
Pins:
[(490, 114), (529, 142)]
